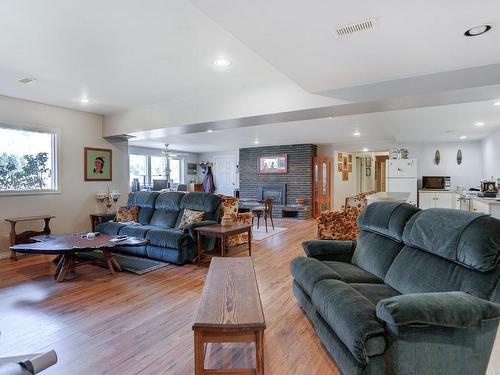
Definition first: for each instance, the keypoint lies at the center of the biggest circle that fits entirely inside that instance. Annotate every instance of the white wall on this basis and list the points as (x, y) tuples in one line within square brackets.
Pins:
[(468, 174), (77, 198), (491, 156)]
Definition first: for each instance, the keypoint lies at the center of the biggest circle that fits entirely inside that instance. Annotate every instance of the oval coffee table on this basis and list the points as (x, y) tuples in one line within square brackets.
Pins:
[(66, 246)]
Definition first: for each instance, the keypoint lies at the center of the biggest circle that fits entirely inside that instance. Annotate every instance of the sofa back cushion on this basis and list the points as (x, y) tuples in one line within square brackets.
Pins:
[(201, 201), (382, 225), (167, 209), (146, 201), (448, 250)]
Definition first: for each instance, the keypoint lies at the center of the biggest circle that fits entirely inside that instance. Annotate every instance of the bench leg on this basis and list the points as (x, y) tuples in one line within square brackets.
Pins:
[(259, 352), (198, 353)]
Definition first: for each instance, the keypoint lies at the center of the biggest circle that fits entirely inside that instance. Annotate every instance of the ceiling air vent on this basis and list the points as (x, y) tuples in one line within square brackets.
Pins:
[(27, 80), (365, 25)]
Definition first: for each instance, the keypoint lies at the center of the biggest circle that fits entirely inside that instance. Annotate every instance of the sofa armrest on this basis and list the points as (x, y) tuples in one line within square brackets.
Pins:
[(449, 309), (107, 217), (340, 251), (190, 229)]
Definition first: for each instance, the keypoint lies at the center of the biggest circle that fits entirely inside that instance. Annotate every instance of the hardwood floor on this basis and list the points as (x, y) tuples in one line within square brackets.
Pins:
[(130, 324)]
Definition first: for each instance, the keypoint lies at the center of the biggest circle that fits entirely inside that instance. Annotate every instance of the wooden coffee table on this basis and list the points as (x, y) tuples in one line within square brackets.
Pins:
[(230, 310), (223, 232), (66, 246)]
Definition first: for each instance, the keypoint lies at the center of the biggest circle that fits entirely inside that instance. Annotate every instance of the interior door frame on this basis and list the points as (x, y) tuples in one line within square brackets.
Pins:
[(233, 156), (319, 199)]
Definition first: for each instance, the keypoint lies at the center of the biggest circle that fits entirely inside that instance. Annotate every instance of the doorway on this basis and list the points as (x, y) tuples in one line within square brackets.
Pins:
[(380, 163), (225, 174), (322, 185)]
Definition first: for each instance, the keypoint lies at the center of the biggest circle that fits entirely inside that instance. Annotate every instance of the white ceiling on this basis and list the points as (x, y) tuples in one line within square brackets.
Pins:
[(119, 53), (378, 130), (411, 38)]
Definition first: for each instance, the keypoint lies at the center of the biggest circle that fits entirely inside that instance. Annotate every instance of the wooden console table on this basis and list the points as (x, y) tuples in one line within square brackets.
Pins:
[(230, 310), (24, 237)]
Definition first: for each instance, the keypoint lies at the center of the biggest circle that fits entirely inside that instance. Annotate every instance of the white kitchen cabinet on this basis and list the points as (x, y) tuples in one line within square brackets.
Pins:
[(456, 201), (436, 199), (480, 207)]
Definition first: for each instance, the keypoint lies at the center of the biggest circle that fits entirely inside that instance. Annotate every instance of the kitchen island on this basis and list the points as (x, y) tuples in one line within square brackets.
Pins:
[(387, 197)]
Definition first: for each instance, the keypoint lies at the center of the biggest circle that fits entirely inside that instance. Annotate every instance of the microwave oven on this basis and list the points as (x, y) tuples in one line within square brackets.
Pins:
[(436, 182)]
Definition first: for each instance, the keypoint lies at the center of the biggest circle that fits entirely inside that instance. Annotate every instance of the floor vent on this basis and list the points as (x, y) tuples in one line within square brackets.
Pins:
[(355, 27)]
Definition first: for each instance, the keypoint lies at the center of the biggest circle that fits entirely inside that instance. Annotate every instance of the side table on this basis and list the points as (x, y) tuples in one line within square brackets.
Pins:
[(223, 232), (17, 238), (99, 218)]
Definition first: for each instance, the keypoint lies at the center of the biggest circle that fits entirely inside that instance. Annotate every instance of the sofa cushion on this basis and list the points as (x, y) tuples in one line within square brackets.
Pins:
[(110, 227), (417, 271), (308, 271), (375, 253), (138, 231), (189, 217), (127, 213), (145, 200), (167, 237), (350, 273), (167, 208), (351, 316), (375, 292), (470, 239), (200, 201), (386, 218)]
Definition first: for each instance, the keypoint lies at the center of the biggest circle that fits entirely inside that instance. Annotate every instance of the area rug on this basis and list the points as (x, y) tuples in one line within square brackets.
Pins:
[(129, 263), (260, 234)]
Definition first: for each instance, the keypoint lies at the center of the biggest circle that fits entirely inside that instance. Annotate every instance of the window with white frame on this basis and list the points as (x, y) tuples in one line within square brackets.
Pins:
[(147, 168), (28, 160)]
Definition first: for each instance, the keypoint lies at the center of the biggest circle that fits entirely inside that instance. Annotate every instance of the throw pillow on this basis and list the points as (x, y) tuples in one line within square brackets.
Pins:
[(189, 217), (127, 213)]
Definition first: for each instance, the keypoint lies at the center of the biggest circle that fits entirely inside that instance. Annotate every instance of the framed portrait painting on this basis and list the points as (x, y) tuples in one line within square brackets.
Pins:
[(273, 164), (97, 164)]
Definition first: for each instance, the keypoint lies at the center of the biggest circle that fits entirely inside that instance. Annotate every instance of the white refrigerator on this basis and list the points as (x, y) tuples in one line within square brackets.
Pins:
[(401, 177)]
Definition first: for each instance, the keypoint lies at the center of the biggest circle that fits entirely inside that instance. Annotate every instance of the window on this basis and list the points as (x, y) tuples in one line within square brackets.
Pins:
[(138, 168), (28, 160), (158, 167), (175, 171)]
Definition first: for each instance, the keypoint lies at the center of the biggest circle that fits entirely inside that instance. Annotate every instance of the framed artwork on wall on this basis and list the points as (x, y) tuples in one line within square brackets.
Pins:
[(368, 172), (273, 164), (192, 168), (345, 163), (98, 164), (340, 157), (345, 175), (339, 167), (368, 161)]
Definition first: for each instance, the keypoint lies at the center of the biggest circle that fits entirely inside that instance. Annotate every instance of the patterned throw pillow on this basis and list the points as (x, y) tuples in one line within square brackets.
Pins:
[(189, 217), (127, 213)]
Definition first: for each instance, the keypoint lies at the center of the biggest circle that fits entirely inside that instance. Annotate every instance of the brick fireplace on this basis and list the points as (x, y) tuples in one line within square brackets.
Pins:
[(285, 188)]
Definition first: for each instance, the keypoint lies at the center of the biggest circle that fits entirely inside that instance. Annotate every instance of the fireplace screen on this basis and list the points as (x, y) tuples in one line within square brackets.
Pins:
[(276, 192)]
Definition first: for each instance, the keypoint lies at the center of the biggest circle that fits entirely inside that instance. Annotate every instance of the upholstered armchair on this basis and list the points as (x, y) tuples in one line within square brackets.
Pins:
[(229, 206), (342, 225)]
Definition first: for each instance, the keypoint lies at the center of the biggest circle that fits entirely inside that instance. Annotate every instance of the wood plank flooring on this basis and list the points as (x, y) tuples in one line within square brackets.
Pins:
[(130, 324)]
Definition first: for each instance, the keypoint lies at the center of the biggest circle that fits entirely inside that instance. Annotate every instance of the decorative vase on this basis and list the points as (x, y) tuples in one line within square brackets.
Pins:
[(226, 221)]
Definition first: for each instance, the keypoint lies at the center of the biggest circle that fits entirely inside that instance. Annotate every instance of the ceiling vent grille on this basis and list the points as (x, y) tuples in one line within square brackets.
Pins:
[(365, 25), (26, 80)]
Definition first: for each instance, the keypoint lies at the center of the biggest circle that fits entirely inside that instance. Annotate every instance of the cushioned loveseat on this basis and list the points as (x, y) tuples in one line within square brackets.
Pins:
[(416, 294), (159, 219)]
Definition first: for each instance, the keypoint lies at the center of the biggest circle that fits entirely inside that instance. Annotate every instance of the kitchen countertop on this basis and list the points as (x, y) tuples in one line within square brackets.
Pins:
[(384, 196)]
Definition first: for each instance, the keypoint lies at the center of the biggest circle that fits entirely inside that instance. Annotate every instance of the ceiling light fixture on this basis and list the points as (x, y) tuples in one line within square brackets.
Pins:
[(256, 142), (330, 118), (477, 30), (210, 131), (479, 124), (222, 62), (84, 100), (365, 150), (463, 137), (356, 133), (497, 103)]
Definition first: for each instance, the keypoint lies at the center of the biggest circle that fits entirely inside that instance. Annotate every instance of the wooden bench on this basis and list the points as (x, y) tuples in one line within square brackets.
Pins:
[(230, 311)]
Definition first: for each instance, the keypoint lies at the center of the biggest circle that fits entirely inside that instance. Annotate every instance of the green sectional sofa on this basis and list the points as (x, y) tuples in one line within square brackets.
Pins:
[(416, 294), (159, 218)]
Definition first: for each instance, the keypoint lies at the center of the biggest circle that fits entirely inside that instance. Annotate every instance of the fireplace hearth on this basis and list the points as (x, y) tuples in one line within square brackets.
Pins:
[(277, 192)]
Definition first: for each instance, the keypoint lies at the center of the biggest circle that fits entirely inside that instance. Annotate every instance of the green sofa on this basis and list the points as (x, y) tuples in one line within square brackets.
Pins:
[(159, 218), (416, 294)]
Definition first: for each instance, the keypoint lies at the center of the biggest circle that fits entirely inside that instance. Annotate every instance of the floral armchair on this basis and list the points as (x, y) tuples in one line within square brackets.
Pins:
[(229, 206), (342, 225)]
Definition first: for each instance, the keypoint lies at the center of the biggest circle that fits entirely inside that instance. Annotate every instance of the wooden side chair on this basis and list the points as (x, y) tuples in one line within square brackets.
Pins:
[(266, 211)]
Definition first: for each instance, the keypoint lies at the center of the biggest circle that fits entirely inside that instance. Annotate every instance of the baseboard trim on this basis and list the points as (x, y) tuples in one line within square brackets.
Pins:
[(4, 255)]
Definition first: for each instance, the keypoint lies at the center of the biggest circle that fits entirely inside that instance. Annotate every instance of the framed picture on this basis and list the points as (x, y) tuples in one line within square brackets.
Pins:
[(368, 161), (345, 163), (340, 157), (349, 158), (339, 167), (349, 169), (368, 172), (192, 168), (273, 164), (97, 164), (345, 175)]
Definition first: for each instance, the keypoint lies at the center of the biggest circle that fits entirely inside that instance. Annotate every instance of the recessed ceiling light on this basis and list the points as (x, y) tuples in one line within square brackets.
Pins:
[(479, 124), (477, 30), (27, 80), (497, 103), (210, 131), (365, 150), (222, 62), (330, 118), (356, 133), (256, 142), (463, 137), (84, 100)]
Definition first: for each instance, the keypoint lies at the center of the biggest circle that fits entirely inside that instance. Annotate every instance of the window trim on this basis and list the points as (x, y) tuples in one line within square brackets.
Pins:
[(56, 159)]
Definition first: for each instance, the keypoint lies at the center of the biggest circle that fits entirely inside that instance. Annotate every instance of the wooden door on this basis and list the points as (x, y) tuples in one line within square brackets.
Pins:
[(322, 184), (380, 166)]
